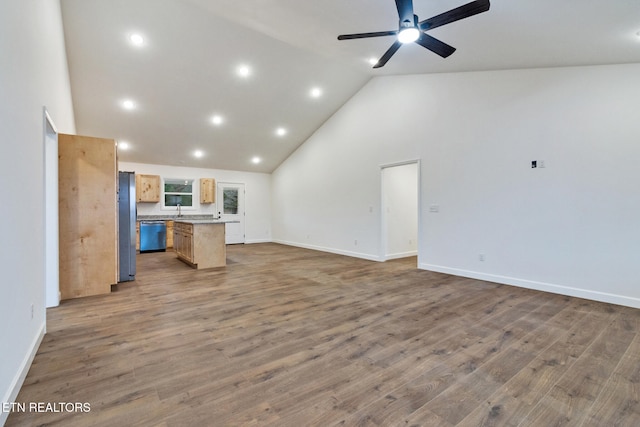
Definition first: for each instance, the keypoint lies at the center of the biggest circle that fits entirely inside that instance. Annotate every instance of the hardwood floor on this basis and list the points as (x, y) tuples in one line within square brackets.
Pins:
[(290, 337)]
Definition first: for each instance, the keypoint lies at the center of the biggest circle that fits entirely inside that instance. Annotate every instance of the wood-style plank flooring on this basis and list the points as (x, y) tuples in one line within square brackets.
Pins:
[(290, 337)]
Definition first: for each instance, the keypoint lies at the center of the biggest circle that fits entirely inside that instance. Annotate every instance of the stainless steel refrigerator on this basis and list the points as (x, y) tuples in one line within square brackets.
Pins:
[(127, 225)]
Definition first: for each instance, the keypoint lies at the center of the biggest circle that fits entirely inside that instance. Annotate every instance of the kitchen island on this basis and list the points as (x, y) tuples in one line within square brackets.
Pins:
[(200, 243)]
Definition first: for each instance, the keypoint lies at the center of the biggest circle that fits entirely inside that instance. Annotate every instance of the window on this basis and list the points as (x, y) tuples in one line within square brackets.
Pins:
[(230, 201), (178, 192)]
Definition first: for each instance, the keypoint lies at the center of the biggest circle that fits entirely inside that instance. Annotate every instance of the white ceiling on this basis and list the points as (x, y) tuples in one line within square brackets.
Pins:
[(185, 73)]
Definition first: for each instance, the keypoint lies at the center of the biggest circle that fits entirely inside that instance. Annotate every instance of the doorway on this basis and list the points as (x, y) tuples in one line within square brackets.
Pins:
[(400, 195), (230, 201), (51, 235)]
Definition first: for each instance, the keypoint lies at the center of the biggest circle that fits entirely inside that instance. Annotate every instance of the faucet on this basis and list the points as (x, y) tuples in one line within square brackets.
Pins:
[(179, 210)]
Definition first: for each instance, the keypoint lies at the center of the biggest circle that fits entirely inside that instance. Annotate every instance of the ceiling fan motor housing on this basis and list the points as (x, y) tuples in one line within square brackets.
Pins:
[(408, 24)]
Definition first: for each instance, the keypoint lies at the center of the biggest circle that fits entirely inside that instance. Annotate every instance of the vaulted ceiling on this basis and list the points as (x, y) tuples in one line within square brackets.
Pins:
[(186, 70)]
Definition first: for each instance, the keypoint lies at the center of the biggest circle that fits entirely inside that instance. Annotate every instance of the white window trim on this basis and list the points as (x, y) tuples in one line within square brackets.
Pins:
[(194, 196)]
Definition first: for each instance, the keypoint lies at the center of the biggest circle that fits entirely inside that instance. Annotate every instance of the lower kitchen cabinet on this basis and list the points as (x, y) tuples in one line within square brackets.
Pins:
[(169, 233), (200, 245), (183, 241), (137, 235)]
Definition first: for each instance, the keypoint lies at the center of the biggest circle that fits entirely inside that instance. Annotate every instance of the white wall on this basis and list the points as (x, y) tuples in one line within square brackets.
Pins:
[(257, 197), (33, 74), (571, 227)]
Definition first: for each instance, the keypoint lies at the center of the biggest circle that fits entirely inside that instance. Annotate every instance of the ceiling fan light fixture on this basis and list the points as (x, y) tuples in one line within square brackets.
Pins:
[(408, 35)]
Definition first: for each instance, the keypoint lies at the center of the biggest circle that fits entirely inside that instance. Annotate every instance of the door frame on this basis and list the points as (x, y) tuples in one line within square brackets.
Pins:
[(51, 216), (241, 206), (384, 218)]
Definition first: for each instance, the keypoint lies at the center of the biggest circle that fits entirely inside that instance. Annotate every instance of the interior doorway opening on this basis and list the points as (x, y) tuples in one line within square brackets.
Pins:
[(400, 207)]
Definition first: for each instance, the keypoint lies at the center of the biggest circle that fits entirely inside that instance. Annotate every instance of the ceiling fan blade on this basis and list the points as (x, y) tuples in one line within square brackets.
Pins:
[(456, 14), (388, 54), (366, 35), (435, 45), (405, 10)]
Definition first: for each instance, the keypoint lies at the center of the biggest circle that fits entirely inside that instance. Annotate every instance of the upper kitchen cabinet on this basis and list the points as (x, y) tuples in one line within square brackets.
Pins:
[(148, 188), (88, 212), (207, 190)]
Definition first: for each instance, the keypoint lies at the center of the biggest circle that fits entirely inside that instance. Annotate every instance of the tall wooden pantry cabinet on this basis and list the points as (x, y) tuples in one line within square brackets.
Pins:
[(88, 202)]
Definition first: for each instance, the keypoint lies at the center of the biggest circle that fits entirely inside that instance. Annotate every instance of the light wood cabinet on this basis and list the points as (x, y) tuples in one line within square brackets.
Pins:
[(148, 188), (207, 190), (200, 245), (183, 241), (88, 215), (169, 234), (137, 235)]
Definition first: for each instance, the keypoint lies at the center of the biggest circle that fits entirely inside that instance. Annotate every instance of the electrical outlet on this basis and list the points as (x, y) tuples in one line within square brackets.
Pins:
[(534, 164), (481, 257), (355, 242), (31, 311), (434, 208)]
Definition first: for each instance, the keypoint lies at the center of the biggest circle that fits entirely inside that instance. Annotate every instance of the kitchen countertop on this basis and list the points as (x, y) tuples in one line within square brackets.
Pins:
[(203, 221), (189, 219), (175, 217)]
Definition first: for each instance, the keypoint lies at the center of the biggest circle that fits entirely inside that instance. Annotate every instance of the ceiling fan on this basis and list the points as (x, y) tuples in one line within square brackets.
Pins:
[(412, 30)]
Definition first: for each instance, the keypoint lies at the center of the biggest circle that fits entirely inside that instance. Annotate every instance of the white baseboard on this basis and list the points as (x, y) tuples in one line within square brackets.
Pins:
[(12, 393), (401, 255), (538, 286), (331, 250), (248, 242)]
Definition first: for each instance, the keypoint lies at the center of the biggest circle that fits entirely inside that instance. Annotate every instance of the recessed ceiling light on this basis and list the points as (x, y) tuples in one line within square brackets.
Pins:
[(281, 131), (128, 104), (244, 71), (256, 160), (198, 153), (123, 145), (373, 61), (136, 39), (217, 120), (316, 92)]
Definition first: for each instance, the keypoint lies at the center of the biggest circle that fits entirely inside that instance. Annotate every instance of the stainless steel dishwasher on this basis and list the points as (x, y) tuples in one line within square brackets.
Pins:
[(153, 236)]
